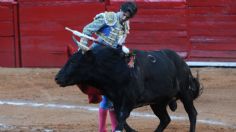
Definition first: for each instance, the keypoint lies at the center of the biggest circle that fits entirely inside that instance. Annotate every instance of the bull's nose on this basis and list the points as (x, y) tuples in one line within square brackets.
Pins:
[(57, 80)]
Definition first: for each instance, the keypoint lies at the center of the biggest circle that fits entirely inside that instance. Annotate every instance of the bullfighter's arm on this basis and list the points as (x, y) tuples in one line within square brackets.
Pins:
[(93, 27)]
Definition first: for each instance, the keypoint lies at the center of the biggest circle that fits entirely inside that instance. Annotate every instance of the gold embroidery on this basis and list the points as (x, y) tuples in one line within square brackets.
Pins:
[(110, 18)]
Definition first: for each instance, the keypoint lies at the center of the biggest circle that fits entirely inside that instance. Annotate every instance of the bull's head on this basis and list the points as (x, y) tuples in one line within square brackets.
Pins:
[(76, 68), (95, 66)]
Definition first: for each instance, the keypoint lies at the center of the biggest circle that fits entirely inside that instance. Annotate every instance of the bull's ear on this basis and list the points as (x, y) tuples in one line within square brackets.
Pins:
[(90, 57)]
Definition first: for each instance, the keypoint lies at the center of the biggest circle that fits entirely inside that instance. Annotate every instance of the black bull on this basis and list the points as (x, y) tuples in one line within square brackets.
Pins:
[(157, 78)]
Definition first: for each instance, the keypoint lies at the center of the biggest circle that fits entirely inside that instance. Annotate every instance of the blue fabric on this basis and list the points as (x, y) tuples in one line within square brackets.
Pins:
[(105, 103), (106, 30), (95, 45)]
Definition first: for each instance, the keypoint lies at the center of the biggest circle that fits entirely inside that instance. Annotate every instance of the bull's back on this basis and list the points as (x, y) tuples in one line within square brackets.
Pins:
[(154, 62), (175, 58), (181, 66)]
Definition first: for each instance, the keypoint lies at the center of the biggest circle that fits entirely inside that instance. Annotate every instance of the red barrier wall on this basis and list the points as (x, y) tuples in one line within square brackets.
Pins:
[(32, 31), (42, 26), (212, 29), (9, 37)]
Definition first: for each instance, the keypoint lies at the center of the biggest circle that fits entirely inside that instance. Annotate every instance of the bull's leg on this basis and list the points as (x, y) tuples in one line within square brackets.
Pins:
[(114, 122), (161, 112), (122, 116), (192, 113)]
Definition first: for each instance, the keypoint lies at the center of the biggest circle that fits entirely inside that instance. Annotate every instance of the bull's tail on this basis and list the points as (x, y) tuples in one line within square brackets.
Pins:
[(195, 86)]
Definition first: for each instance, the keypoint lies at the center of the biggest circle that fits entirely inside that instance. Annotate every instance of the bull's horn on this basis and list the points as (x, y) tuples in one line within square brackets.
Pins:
[(80, 45)]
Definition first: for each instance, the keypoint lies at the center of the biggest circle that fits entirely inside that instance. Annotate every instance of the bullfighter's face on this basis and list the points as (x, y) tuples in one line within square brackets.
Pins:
[(124, 16)]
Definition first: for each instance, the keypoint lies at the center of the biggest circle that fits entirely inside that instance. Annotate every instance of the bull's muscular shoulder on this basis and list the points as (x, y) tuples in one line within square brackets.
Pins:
[(110, 18)]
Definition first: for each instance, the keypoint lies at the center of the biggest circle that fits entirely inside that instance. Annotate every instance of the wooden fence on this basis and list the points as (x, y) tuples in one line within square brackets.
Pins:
[(32, 31)]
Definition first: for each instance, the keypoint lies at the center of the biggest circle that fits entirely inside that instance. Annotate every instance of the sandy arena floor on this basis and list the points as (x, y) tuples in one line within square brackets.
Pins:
[(30, 101)]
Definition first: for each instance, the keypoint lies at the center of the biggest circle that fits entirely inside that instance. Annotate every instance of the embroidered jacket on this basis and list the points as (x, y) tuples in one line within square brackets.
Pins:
[(108, 29)]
